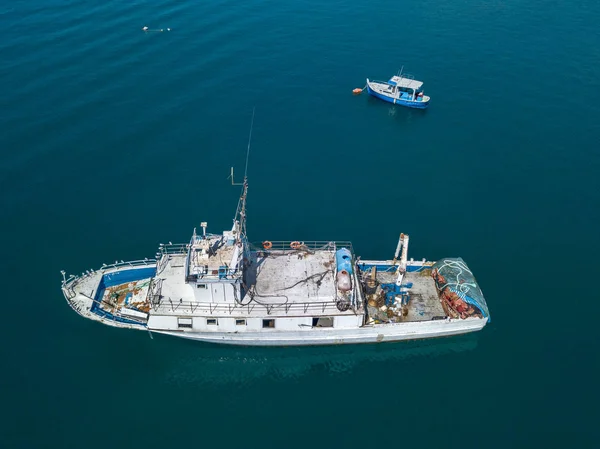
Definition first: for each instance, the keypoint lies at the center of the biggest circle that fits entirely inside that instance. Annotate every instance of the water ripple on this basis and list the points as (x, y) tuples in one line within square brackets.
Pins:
[(206, 364)]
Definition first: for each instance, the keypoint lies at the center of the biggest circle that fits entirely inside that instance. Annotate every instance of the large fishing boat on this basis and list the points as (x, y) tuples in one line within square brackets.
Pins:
[(221, 288)]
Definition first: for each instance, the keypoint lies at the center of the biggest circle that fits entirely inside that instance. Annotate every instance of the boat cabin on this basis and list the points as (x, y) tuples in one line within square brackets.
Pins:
[(405, 88)]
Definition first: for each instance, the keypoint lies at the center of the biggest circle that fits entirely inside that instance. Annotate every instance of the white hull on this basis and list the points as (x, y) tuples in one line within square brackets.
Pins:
[(217, 290), (290, 331), (367, 334)]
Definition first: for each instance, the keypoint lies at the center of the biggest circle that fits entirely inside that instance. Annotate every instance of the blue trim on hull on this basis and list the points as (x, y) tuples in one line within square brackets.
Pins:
[(387, 268), (118, 278), (408, 104), (126, 276)]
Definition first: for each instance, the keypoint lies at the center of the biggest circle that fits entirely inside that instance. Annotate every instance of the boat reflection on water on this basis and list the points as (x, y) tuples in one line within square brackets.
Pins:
[(218, 364)]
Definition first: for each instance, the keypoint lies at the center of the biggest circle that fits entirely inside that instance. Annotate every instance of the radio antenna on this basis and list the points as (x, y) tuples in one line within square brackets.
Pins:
[(241, 210), (249, 140), (233, 183)]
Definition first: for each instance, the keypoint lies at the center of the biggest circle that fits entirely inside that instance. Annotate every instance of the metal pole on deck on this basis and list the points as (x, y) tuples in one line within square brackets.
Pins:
[(398, 248), (403, 259)]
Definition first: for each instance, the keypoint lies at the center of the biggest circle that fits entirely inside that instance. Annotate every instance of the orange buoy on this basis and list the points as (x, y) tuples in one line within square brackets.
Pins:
[(357, 91), (267, 245), (295, 245)]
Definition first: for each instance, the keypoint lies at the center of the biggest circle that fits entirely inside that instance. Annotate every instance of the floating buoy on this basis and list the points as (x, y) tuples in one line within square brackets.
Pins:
[(357, 91)]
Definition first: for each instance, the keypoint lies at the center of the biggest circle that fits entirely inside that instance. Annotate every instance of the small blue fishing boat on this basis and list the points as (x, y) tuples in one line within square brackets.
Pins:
[(400, 89)]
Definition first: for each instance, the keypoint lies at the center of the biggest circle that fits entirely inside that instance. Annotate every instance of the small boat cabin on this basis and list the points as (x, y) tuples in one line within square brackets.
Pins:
[(407, 88)]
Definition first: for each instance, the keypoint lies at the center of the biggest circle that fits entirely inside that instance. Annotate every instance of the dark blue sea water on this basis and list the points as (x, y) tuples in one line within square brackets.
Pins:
[(114, 140)]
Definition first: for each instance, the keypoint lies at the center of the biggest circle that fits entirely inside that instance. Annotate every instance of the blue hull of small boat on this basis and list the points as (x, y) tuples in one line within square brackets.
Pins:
[(407, 103)]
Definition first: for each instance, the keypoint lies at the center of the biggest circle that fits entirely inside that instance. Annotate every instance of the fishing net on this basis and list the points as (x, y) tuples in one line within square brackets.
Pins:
[(453, 278)]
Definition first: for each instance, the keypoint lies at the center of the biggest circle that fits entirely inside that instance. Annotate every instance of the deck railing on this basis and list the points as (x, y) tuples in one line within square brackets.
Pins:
[(131, 263), (153, 295), (169, 305), (288, 245), (69, 283), (165, 253), (173, 248)]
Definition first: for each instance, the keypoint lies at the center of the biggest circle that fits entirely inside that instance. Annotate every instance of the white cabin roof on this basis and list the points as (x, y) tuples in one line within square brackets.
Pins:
[(280, 283), (208, 255), (405, 82)]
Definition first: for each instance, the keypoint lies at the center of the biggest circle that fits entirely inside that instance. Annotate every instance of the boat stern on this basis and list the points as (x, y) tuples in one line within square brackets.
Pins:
[(424, 101), (458, 289)]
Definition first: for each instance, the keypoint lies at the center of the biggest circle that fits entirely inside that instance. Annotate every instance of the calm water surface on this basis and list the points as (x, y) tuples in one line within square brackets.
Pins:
[(114, 140)]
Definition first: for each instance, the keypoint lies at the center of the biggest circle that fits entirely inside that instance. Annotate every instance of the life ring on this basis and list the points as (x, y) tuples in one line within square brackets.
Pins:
[(295, 245), (267, 244)]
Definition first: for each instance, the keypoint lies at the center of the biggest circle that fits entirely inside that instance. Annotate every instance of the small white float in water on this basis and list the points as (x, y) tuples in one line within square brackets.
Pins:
[(146, 29)]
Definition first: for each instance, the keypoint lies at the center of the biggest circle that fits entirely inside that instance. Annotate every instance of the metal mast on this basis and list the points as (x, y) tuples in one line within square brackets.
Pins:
[(241, 210)]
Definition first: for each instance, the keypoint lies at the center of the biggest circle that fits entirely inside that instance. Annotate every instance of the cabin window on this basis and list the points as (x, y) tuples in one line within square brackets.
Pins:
[(201, 286), (211, 321), (324, 321), (268, 324), (240, 322), (184, 323)]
